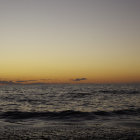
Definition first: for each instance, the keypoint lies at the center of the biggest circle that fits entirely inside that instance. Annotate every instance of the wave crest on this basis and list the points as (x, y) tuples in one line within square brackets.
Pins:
[(65, 115)]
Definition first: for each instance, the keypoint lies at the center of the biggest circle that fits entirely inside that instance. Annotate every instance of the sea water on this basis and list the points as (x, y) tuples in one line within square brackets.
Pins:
[(67, 101), (69, 104)]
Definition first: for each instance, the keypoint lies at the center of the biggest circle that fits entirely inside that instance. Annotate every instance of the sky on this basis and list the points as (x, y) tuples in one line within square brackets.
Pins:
[(69, 41)]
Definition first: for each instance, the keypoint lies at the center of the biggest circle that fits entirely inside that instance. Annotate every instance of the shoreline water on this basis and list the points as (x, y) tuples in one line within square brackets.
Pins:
[(105, 129), (73, 132)]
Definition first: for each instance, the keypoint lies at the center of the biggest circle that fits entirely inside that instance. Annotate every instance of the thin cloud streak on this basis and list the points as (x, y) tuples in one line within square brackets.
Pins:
[(7, 82), (26, 81), (79, 79)]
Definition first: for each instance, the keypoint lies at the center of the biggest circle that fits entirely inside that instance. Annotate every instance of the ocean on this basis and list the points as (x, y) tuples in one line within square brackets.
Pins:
[(70, 111)]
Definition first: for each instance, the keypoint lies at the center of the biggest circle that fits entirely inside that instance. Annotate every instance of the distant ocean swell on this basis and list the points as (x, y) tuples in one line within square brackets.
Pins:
[(120, 91), (65, 115)]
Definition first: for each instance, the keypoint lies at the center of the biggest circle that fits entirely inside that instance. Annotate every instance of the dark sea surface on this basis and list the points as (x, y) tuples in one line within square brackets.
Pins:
[(70, 111)]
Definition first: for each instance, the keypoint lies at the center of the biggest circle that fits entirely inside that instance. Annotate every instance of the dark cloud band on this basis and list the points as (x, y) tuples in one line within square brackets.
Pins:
[(79, 79)]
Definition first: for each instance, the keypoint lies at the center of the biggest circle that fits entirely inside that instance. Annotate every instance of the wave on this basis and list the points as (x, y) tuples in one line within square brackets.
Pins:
[(66, 115), (120, 91)]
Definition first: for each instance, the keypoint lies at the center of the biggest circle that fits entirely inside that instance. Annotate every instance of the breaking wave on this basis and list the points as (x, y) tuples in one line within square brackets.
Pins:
[(65, 115)]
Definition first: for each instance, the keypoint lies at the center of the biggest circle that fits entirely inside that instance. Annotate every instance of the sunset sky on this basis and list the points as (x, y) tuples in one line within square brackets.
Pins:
[(69, 41)]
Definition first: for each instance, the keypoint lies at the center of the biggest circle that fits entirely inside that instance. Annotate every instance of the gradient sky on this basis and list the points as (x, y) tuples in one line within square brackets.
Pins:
[(54, 41)]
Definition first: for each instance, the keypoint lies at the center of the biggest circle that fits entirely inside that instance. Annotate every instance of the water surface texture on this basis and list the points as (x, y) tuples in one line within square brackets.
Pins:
[(84, 105)]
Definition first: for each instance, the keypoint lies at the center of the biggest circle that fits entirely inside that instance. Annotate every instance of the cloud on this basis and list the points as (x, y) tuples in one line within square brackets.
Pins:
[(45, 79), (31, 80), (7, 82), (15, 82), (26, 81), (79, 79), (20, 81)]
